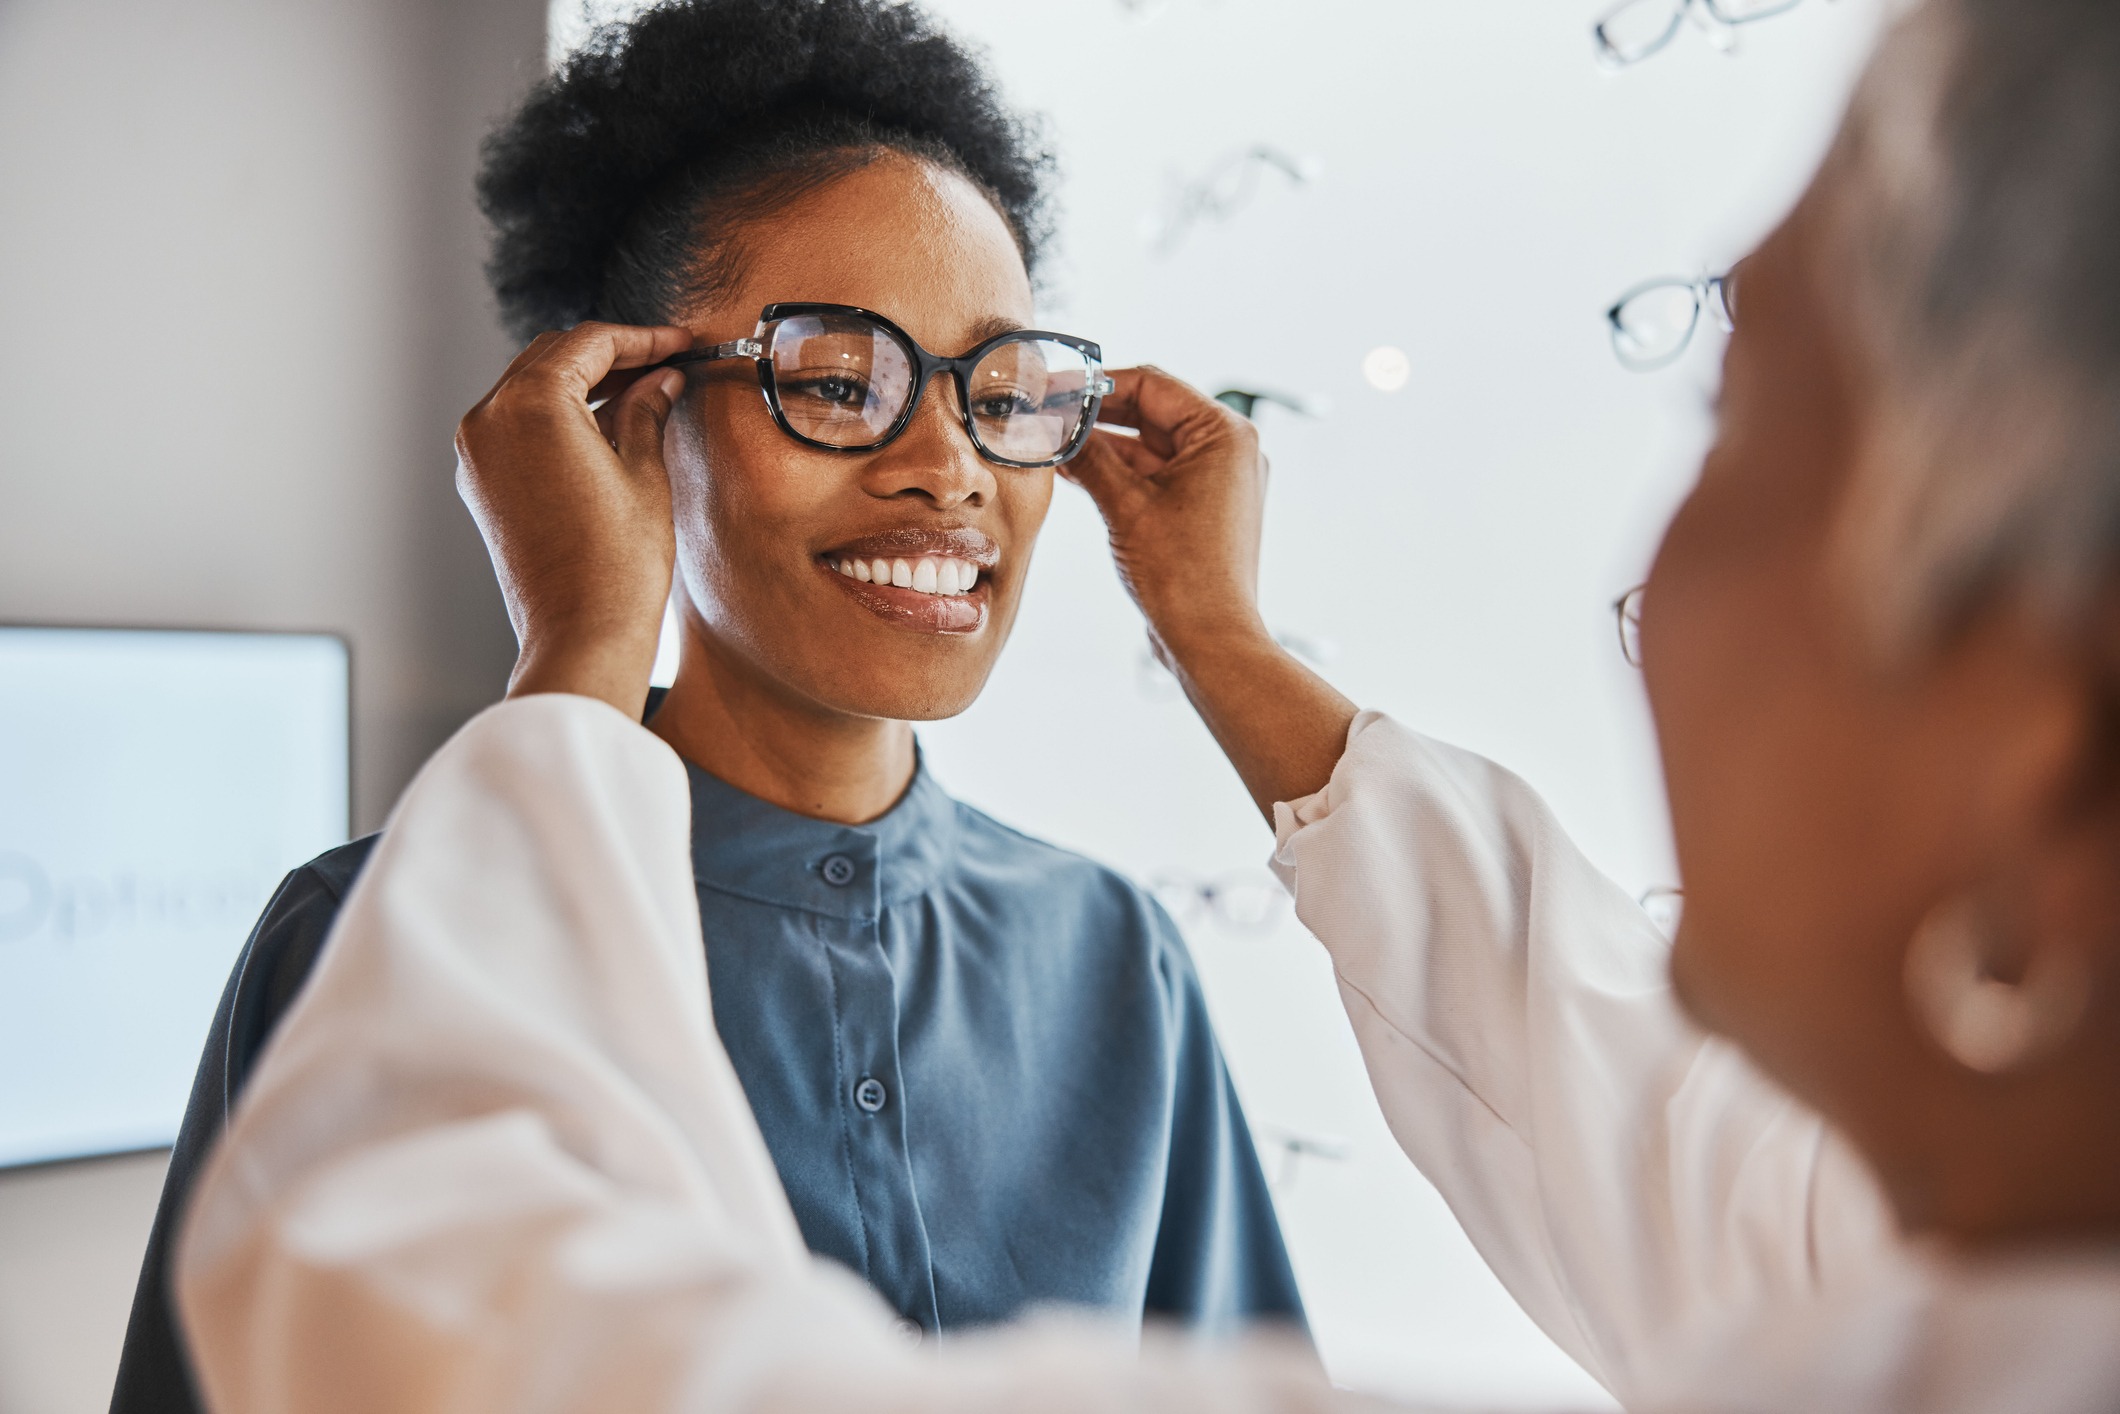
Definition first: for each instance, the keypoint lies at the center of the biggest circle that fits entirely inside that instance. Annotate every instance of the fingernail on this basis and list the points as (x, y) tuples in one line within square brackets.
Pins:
[(671, 383)]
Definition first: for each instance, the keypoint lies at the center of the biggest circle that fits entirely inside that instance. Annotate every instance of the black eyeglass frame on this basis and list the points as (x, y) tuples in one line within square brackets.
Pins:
[(759, 349)]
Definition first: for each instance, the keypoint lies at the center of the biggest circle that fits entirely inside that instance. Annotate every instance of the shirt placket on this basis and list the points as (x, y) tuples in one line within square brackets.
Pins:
[(870, 1084)]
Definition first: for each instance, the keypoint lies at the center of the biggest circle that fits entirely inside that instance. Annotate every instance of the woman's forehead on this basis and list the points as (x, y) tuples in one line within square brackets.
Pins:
[(916, 243)]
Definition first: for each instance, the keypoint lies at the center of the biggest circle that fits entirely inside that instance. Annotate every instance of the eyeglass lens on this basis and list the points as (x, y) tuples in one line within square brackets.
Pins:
[(841, 380), (845, 382), (1028, 398), (1653, 325)]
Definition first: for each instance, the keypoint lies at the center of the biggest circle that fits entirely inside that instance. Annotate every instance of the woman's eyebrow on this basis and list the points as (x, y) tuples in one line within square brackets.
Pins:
[(992, 326)]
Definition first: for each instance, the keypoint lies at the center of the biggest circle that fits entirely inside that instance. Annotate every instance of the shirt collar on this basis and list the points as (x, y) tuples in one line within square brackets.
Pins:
[(744, 846)]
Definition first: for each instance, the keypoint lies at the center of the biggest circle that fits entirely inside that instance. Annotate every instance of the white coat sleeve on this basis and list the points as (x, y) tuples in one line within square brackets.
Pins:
[(1623, 1174), (495, 1158)]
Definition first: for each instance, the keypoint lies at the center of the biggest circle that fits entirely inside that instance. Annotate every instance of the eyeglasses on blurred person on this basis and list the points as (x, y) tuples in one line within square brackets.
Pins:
[(1652, 324)]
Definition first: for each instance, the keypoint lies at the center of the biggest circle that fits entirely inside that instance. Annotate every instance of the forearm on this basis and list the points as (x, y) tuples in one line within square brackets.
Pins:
[(1282, 726)]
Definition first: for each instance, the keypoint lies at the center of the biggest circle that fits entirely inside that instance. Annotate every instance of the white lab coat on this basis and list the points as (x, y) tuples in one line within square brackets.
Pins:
[(495, 1158)]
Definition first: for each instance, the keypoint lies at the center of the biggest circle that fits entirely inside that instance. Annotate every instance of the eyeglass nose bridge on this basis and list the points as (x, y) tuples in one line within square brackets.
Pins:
[(927, 368)]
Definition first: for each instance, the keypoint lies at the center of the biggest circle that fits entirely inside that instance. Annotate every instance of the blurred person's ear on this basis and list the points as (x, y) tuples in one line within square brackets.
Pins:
[(2017, 973)]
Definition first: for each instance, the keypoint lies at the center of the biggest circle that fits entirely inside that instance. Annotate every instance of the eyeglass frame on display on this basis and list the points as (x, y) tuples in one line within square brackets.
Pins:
[(1628, 608), (1191, 201), (926, 365), (1610, 54), (1155, 681), (1664, 899), (1208, 892), (1714, 292), (1245, 402), (1294, 1147)]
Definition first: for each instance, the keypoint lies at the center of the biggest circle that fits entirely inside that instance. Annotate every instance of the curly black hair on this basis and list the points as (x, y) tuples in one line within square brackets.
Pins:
[(610, 190)]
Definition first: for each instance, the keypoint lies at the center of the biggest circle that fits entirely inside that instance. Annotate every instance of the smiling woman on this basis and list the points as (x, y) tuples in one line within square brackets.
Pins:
[(982, 1066)]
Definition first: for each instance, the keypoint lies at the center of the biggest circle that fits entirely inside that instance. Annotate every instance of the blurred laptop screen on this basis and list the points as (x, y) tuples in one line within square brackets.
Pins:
[(154, 788)]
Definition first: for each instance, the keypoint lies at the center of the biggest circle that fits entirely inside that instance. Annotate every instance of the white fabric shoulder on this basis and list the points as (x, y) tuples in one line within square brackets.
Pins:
[(1623, 1174)]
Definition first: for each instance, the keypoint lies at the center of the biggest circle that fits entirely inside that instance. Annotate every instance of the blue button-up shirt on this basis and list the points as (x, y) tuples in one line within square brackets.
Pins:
[(982, 1065)]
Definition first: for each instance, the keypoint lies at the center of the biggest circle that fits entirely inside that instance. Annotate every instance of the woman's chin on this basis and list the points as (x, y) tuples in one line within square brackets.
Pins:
[(908, 679)]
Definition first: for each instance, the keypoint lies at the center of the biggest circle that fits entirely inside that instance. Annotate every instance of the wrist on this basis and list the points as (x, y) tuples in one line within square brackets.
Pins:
[(1198, 640), (611, 667)]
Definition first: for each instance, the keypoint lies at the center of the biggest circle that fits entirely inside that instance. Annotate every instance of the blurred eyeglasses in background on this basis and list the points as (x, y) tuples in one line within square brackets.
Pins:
[(1249, 900), (1292, 1147), (1628, 609), (1158, 685), (1652, 323), (1664, 905), (1634, 29), (1222, 191), (1247, 401)]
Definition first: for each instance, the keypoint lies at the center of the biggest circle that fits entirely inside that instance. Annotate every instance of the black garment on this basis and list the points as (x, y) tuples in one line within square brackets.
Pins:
[(154, 1375)]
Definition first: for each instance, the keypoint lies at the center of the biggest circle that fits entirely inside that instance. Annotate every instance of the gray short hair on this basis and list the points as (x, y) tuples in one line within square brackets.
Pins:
[(1975, 208)]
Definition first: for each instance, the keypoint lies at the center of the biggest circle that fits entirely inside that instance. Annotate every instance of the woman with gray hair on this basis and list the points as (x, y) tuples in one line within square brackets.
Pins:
[(1851, 1143)]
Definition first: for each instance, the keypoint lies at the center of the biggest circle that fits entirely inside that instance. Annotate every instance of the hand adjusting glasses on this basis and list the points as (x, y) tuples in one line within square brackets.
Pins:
[(847, 380)]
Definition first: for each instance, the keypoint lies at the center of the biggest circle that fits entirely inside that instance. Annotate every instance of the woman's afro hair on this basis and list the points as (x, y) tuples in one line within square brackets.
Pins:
[(604, 188)]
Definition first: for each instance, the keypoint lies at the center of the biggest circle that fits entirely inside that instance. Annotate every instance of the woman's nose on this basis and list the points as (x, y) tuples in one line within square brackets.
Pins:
[(934, 458)]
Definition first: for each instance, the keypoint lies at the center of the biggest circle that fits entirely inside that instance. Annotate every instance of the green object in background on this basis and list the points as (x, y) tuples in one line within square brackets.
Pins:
[(1247, 400)]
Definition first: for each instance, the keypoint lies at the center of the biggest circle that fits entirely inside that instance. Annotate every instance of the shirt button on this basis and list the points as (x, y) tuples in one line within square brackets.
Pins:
[(870, 1094), (908, 1331), (838, 870)]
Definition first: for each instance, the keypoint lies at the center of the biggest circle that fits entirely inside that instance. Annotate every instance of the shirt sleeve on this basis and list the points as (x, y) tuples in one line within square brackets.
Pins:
[(495, 1158), (1624, 1175), (1220, 1262)]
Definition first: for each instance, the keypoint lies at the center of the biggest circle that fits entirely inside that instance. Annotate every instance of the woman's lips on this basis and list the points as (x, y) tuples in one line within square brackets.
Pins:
[(925, 579), (910, 608)]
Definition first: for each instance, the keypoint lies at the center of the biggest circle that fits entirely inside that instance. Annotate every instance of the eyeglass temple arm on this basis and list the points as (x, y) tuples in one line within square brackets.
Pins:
[(740, 348)]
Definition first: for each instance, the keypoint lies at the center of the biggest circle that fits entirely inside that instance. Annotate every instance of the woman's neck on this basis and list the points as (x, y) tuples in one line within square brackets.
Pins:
[(725, 717)]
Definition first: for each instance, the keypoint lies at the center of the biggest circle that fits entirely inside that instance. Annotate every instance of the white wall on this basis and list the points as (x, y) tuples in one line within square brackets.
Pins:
[(239, 263), (1482, 191)]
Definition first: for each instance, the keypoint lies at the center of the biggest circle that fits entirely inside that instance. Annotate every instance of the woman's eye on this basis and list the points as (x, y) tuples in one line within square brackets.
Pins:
[(836, 389), (996, 403)]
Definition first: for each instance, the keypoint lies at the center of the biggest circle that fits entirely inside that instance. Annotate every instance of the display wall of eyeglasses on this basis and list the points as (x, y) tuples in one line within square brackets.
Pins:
[(1464, 268), (1462, 265)]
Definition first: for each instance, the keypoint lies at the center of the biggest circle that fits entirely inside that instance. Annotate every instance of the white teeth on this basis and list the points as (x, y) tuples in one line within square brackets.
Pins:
[(928, 575)]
